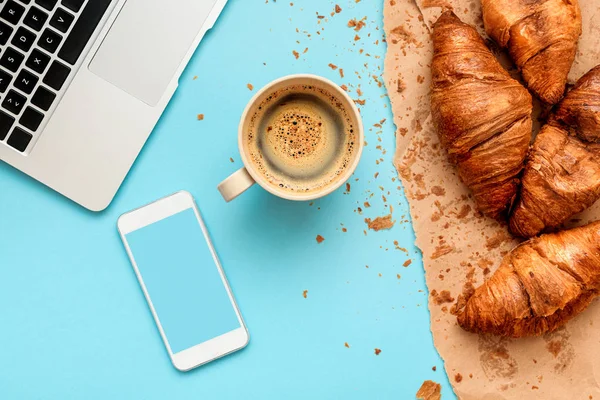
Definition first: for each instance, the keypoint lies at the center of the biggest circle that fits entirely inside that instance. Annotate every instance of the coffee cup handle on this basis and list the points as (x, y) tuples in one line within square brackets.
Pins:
[(236, 184)]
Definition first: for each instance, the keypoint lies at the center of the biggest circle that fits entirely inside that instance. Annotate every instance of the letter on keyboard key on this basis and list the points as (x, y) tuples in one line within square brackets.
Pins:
[(5, 32), (43, 98), (38, 61), (5, 79), (12, 12), (19, 139), (6, 122), (82, 30), (49, 40), (11, 59), (56, 75), (61, 20), (23, 39), (26, 81), (14, 102), (35, 18)]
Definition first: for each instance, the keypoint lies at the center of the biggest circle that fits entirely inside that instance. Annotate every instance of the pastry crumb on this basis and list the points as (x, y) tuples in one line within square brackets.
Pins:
[(441, 251), (305, 294), (320, 239), (401, 86), (346, 345), (429, 390), (442, 297), (250, 86), (380, 223), (458, 378), (200, 117), (377, 351)]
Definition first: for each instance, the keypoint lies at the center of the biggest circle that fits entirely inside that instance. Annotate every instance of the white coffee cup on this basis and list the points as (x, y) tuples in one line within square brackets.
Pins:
[(250, 174)]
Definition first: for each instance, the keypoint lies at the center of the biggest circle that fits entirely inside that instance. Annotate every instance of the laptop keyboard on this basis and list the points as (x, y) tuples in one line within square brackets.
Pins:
[(41, 42)]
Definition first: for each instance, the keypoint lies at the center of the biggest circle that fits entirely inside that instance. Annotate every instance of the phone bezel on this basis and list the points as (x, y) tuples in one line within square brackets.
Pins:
[(210, 350)]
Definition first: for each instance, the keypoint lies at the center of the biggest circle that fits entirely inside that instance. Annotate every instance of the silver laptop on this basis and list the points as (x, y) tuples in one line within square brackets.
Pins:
[(83, 82)]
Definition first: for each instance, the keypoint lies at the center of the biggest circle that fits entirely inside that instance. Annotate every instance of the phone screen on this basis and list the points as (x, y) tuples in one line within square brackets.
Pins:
[(183, 281)]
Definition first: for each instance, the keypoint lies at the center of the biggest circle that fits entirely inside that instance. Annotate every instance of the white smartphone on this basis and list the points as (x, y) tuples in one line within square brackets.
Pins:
[(183, 282)]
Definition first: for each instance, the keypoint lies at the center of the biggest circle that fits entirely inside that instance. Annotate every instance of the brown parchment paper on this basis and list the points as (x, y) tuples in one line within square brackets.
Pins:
[(460, 247)]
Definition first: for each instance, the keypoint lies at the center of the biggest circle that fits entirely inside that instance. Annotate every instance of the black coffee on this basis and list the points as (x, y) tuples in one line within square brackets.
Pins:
[(301, 138)]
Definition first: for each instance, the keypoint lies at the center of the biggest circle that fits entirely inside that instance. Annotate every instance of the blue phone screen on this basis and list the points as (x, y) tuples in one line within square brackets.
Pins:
[(182, 280)]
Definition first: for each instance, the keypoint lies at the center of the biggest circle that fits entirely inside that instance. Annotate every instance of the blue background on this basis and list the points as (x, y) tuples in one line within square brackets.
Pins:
[(73, 320), (181, 278)]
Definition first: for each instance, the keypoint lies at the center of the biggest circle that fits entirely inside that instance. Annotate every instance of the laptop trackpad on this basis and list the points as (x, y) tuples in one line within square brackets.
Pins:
[(147, 43)]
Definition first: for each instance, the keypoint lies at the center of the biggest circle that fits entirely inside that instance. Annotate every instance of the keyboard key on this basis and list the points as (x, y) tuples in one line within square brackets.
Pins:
[(43, 98), (49, 40), (11, 59), (38, 61), (6, 122), (22, 1), (82, 30), (14, 102), (31, 119), (26, 81), (35, 18), (12, 12), (5, 79), (47, 4), (57, 75), (5, 32), (73, 5), (23, 39), (61, 20), (19, 139)]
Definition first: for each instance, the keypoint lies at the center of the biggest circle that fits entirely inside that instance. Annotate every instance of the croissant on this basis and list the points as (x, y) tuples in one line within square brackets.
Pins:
[(482, 115), (562, 174), (539, 286), (580, 109), (541, 37)]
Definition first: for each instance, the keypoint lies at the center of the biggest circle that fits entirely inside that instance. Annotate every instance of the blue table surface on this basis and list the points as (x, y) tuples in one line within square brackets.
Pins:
[(73, 321)]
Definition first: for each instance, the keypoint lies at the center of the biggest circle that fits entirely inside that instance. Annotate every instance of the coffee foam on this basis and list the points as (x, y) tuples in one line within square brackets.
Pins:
[(300, 138)]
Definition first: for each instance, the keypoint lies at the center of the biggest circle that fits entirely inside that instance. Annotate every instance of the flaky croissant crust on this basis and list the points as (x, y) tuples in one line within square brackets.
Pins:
[(562, 173), (541, 37), (539, 286), (482, 115)]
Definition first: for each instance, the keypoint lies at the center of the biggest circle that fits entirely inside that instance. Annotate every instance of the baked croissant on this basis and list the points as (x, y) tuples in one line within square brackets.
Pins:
[(580, 109), (539, 286), (482, 115), (541, 37), (562, 174), (561, 179)]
